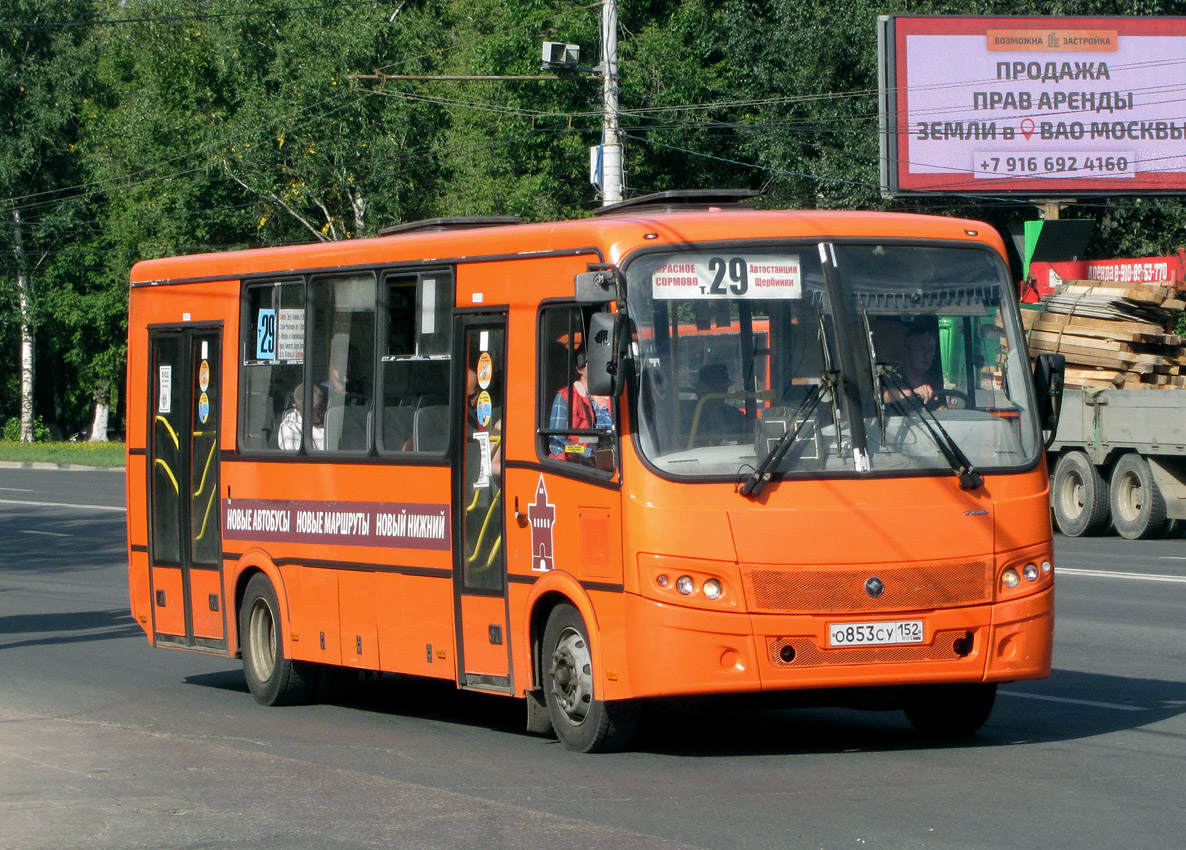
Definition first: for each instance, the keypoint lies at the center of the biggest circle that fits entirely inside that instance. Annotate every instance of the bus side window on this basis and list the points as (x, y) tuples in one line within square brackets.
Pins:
[(573, 426), (415, 360), (342, 352), (272, 345)]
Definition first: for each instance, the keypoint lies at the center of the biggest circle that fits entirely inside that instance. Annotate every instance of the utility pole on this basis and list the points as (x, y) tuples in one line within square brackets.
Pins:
[(613, 177)]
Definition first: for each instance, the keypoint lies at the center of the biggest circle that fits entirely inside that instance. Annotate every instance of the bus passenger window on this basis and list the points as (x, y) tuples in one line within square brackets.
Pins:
[(342, 354), (273, 356), (574, 426), (414, 363)]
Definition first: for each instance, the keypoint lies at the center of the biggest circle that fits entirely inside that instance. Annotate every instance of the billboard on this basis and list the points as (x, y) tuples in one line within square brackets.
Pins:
[(1040, 107)]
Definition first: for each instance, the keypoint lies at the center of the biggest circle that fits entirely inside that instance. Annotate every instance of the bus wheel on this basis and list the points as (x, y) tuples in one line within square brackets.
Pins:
[(272, 678), (581, 722), (1138, 508), (949, 711), (1079, 496)]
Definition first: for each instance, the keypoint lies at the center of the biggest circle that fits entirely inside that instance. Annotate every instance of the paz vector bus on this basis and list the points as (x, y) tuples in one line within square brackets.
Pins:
[(476, 450)]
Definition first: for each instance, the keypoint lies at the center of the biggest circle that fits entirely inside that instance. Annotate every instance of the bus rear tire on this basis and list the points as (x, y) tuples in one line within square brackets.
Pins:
[(582, 722), (1079, 496), (1138, 508), (272, 678), (949, 711)]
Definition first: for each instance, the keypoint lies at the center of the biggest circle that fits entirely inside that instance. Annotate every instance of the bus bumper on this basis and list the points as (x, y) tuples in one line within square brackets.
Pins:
[(676, 651)]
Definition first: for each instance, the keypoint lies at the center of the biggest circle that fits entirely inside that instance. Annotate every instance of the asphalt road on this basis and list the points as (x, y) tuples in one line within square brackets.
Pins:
[(107, 743)]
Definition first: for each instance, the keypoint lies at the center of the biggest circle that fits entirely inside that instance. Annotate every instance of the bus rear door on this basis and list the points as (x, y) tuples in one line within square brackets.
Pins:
[(185, 541)]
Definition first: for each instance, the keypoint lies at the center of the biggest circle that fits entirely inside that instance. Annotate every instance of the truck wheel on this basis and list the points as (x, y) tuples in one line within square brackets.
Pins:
[(272, 678), (1079, 496), (1138, 508), (582, 722), (949, 711)]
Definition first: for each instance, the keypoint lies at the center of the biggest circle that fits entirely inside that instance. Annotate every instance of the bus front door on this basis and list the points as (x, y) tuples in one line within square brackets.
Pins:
[(480, 580), (185, 543)]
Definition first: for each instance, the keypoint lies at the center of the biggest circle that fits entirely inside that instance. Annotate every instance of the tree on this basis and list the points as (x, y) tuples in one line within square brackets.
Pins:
[(42, 79)]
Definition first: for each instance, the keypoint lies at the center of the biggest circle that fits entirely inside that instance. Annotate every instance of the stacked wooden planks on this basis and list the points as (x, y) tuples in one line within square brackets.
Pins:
[(1113, 335)]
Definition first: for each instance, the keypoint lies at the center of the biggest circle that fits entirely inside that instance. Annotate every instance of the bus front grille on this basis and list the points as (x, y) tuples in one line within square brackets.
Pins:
[(848, 589)]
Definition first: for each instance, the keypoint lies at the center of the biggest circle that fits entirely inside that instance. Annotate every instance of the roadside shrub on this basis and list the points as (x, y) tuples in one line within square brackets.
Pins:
[(12, 430)]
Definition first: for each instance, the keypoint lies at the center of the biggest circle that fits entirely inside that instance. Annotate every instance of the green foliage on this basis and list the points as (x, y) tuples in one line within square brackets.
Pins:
[(203, 125), (12, 430)]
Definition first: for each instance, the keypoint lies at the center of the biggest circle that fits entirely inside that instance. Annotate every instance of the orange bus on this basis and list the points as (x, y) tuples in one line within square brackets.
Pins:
[(664, 451)]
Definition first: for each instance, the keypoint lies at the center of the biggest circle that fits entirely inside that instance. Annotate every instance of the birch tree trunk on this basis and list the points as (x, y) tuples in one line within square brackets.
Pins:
[(102, 412), (27, 331)]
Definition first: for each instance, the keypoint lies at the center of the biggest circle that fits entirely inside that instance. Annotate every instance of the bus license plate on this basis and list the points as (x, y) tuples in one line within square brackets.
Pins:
[(875, 634)]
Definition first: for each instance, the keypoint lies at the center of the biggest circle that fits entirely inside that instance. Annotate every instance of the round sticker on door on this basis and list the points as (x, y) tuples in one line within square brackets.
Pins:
[(204, 376), (203, 408), (485, 370), (484, 409)]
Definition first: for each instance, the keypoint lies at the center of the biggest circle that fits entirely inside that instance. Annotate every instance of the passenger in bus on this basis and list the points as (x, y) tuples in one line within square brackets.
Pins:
[(586, 411), (916, 375), (290, 425), (715, 421)]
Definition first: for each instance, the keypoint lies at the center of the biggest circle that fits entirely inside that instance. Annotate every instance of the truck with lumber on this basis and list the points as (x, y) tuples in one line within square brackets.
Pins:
[(1118, 458)]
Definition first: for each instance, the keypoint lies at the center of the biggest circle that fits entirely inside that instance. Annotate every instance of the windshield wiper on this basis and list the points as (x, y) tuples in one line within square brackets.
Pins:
[(876, 371), (757, 480), (959, 462), (847, 367)]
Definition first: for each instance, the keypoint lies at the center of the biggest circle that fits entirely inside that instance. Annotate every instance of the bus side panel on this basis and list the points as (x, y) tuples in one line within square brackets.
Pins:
[(207, 595), (357, 600), (139, 587), (313, 603), (415, 625), (168, 601), (484, 638), (139, 590), (572, 526)]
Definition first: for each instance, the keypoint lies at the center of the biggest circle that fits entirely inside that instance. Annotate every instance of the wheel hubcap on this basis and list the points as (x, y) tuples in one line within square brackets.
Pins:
[(262, 640), (572, 676), (1131, 497), (1073, 495)]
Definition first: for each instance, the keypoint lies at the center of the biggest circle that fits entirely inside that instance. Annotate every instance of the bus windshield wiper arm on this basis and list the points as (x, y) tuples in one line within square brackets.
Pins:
[(756, 480), (959, 462), (876, 370)]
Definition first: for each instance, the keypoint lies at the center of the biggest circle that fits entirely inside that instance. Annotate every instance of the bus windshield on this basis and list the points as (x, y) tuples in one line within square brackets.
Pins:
[(909, 357)]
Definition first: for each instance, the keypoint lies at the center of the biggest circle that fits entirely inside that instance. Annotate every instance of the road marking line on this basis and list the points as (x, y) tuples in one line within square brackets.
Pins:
[(1111, 574), (16, 489), (61, 505), (1171, 557), (1070, 701)]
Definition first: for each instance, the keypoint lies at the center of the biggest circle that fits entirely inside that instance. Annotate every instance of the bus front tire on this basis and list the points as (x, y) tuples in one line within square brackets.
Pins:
[(1079, 496), (949, 711), (582, 722), (272, 678)]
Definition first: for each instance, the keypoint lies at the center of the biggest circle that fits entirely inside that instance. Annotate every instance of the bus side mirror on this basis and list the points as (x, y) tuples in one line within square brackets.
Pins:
[(596, 287), (607, 361), (1049, 372)]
